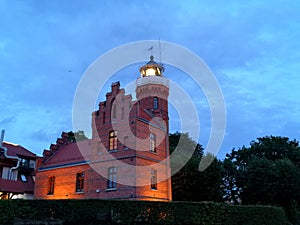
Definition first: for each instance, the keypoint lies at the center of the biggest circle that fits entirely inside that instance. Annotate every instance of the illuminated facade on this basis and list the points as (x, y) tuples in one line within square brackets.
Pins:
[(127, 155)]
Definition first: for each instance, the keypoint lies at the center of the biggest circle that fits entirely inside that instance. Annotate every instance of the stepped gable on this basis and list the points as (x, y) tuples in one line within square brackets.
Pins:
[(63, 140), (64, 153)]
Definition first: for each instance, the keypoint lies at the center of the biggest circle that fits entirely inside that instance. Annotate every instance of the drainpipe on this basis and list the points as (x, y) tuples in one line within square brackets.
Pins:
[(9, 157)]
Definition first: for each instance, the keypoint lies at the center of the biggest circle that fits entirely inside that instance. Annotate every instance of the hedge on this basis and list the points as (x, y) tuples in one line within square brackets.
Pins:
[(252, 215), (92, 212)]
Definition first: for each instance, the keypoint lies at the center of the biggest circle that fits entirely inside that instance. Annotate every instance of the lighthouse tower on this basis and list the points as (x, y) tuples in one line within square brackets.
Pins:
[(152, 123), (152, 90)]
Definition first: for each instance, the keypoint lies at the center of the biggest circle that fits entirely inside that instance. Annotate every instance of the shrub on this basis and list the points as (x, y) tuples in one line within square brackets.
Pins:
[(92, 212)]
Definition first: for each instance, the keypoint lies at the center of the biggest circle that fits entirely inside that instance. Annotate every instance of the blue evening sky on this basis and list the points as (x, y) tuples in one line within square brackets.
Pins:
[(252, 47)]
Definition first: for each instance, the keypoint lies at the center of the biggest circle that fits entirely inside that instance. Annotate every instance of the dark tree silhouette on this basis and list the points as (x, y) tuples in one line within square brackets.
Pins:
[(190, 184), (267, 172)]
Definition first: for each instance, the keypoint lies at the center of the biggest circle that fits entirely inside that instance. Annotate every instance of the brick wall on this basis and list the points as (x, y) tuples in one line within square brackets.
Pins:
[(65, 183), (133, 121)]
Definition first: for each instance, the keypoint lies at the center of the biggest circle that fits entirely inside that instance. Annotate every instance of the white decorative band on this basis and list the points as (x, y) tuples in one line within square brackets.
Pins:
[(152, 80)]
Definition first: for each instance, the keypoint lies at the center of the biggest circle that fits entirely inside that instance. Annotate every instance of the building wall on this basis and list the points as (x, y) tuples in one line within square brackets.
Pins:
[(65, 183), (133, 121), (98, 188)]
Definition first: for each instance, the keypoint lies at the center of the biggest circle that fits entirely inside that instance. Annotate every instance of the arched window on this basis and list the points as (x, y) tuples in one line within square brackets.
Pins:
[(99, 147), (113, 140), (152, 143), (51, 184), (155, 102), (112, 178), (122, 113), (153, 179), (103, 117), (79, 182), (113, 112), (125, 142)]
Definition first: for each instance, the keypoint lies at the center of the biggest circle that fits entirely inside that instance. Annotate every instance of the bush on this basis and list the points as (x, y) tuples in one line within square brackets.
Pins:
[(253, 215), (92, 212)]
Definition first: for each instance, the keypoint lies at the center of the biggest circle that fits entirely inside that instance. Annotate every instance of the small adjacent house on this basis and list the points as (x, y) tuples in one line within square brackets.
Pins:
[(17, 171)]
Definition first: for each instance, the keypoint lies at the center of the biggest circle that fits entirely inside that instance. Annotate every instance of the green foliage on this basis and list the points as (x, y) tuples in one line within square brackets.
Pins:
[(265, 173), (77, 136), (271, 147), (92, 212), (258, 185), (190, 184), (231, 190), (253, 215)]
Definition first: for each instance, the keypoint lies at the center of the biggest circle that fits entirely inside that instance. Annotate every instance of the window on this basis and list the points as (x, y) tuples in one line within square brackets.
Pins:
[(155, 102), (13, 175), (112, 178), (125, 142), (152, 143), (5, 172), (153, 179), (113, 140), (99, 147), (79, 182), (122, 113), (51, 185), (103, 118), (25, 163), (32, 164), (23, 178), (113, 112)]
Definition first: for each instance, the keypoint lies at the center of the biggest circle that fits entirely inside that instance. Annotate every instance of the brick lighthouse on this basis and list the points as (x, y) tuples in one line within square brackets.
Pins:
[(130, 139), (129, 148)]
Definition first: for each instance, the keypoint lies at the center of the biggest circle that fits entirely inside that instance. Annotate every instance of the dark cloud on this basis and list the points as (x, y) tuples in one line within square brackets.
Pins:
[(7, 120)]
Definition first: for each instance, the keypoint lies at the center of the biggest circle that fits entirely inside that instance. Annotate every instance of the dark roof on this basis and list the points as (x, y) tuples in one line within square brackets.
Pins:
[(17, 150), (17, 186), (152, 64), (67, 155)]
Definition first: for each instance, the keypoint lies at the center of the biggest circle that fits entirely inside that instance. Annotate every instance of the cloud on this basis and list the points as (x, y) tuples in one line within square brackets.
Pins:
[(252, 48), (7, 120)]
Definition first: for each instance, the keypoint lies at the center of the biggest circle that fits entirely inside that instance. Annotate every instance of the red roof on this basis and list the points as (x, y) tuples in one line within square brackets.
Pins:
[(16, 186), (17, 150), (67, 155)]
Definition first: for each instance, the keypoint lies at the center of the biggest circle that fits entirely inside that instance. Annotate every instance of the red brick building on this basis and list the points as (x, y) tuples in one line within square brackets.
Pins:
[(17, 171), (127, 157)]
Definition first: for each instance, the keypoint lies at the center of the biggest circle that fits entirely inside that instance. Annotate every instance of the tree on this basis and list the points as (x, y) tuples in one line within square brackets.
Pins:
[(190, 184), (271, 147), (258, 182), (231, 190), (265, 173), (77, 136)]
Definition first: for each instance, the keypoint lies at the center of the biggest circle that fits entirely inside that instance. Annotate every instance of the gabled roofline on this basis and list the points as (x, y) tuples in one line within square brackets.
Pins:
[(64, 165)]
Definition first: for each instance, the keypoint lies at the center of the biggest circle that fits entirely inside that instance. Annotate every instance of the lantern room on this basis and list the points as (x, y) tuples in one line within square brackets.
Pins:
[(152, 68)]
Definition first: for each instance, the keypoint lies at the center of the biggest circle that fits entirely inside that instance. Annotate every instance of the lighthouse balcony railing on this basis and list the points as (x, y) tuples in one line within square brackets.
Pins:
[(152, 80)]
